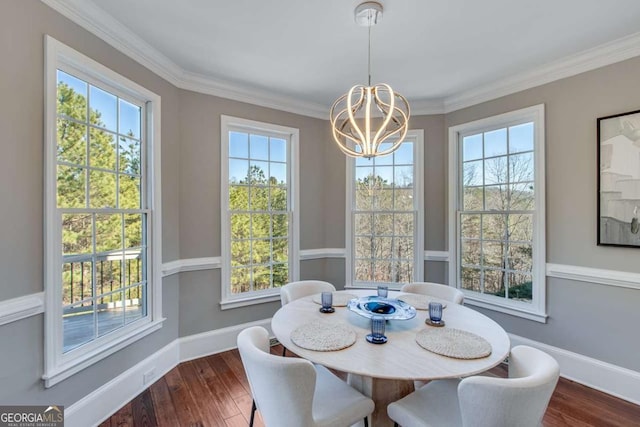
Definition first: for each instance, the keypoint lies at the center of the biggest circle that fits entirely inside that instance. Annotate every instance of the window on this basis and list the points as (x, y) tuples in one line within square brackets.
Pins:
[(498, 205), (385, 217), (99, 210), (259, 204)]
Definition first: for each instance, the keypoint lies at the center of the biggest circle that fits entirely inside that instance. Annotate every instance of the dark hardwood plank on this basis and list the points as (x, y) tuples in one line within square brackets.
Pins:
[(166, 414), (143, 411), (214, 391), (186, 408), (201, 395)]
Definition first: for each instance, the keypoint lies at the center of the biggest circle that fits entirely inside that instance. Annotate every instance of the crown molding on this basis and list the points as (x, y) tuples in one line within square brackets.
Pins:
[(98, 22), (599, 56)]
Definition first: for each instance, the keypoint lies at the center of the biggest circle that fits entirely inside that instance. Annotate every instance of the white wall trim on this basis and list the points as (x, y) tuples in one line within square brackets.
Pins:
[(606, 377), (216, 341), (22, 307), (95, 20), (100, 404), (106, 400), (322, 253), (436, 256), (599, 276), (590, 59), (190, 264)]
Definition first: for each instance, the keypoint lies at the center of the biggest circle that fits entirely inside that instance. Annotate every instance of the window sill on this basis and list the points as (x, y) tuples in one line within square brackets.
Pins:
[(87, 359), (371, 286), (532, 314), (229, 304)]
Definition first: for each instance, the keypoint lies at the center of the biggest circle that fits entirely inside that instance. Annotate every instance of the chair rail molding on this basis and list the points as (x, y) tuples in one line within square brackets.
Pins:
[(621, 279), (22, 307), (436, 256), (190, 264), (322, 253)]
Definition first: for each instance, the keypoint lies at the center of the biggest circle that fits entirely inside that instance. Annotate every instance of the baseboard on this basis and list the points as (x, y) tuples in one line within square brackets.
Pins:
[(606, 377), (216, 341), (100, 404)]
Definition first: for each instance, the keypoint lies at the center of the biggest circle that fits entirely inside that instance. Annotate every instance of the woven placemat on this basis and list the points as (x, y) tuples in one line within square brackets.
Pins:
[(453, 343), (419, 302), (340, 298), (322, 335)]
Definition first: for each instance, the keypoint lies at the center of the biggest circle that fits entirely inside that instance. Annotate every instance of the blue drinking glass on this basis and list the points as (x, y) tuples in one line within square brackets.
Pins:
[(435, 312), (383, 291), (377, 330), (326, 298)]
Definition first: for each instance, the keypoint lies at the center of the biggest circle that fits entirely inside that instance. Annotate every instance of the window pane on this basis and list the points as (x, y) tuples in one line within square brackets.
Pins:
[(109, 274), (129, 156), (76, 281), (261, 278), (493, 254), (470, 279), (238, 144), (71, 97), (472, 198), (493, 226), (520, 287), (495, 143), (472, 147), (135, 303), (78, 325), (382, 271), (260, 251), (259, 200), (403, 200), (521, 138), (129, 119), (71, 187), (133, 267), (280, 275), (404, 154), (238, 198), (278, 173), (495, 170), (496, 197), (404, 224), (102, 149), (521, 167), (240, 226), (258, 147), (132, 230), (494, 282), (77, 230), (364, 270), (104, 109), (362, 224), (102, 189), (386, 159), (240, 280), (403, 177), (110, 313), (382, 247), (278, 198), (404, 271), (472, 173), (278, 149), (280, 250), (363, 247), (130, 197), (240, 252), (383, 224), (238, 171), (470, 252), (258, 172), (109, 233), (384, 175), (470, 226), (260, 225), (383, 199), (403, 247), (279, 225), (72, 142), (520, 257), (522, 196), (521, 227)]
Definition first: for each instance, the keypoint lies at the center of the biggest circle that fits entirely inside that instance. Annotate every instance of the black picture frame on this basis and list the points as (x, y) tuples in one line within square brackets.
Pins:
[(619, 180)]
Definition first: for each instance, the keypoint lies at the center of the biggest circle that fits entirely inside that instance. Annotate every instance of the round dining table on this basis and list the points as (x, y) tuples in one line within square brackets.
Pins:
[(385, 372)]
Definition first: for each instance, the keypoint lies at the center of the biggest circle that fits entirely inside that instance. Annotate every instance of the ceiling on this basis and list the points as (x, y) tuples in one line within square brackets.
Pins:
[(311, 51)]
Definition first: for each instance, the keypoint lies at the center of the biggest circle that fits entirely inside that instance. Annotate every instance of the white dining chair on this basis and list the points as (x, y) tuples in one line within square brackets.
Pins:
[(292, 392), (437, 290), (295, 290), (480, 401)]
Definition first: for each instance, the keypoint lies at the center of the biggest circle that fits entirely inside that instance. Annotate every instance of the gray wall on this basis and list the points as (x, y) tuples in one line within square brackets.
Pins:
[(577, 321), (23, 24)]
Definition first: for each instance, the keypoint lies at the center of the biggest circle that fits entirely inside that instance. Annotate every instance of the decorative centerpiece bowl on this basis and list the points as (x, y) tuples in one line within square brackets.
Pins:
[(389, 308)]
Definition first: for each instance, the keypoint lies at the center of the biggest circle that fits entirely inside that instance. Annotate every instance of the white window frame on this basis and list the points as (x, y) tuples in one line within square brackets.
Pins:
[(536, 310), (417, 137), (227, 124), (60, 365)]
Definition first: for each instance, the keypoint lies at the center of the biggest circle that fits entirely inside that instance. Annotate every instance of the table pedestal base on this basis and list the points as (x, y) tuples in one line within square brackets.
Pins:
[(382, 392)]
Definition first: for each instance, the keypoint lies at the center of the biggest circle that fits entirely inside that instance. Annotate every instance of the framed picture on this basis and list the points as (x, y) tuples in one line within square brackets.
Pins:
[(619, 180)]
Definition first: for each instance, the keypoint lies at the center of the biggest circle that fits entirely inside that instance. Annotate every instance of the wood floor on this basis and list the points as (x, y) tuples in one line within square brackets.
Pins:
[(213, 391)]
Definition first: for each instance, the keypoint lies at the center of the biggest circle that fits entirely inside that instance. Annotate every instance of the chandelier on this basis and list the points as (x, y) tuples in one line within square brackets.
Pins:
[(366, 116)]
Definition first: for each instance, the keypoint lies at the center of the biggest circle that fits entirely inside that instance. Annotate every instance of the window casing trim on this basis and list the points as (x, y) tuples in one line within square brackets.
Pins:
[(417, 136), (537, 309), (59, 365), (227, 124)]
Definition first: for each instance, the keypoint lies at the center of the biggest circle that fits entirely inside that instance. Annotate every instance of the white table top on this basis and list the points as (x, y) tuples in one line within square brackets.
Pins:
[(401, 358)]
